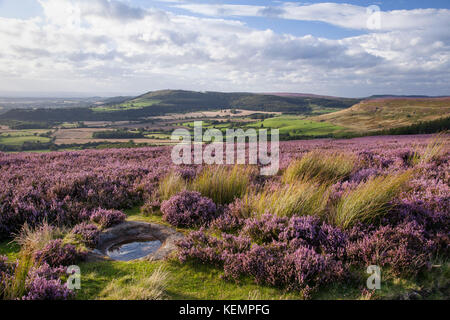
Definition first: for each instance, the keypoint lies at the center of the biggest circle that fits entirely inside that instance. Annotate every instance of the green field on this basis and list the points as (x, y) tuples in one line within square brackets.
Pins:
[(138, 103), (295, 126), (157, 136), (289, 126), (18, 138)]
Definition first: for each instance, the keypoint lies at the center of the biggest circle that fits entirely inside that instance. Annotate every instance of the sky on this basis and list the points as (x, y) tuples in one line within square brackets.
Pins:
[(341, 48)]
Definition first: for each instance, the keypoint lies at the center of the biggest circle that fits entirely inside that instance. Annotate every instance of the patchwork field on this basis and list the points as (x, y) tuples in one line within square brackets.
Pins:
[(84, 135)]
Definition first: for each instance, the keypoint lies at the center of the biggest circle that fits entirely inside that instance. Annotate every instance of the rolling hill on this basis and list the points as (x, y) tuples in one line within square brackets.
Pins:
[(386, 113), (248, 101), (178, 101)]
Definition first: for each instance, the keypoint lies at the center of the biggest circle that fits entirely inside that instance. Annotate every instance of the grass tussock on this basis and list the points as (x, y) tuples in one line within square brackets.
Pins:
[(137, 287), (30, 240), (301, 198), (170, 185), (434, 149), (223, 184), (14, 287), (34, 239), (370, 200), (320, 167)]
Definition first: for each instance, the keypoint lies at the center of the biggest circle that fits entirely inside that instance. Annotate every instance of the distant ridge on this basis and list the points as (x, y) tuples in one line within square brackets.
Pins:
[(302, 95), (387, 96)]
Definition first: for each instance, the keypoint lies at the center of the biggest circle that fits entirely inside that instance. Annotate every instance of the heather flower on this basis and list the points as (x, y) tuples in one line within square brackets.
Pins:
[(187, 173), (40, 288), (262, 262), (236, 208), (276, 264), (265, 229), (107, 218), (403, 248), (201, 247), (188, 209), (306, 270), (56, 253), (227, 223), (88, 233), (4, 264), (306, 228), (363, 175), (46, 271), (208, 249)]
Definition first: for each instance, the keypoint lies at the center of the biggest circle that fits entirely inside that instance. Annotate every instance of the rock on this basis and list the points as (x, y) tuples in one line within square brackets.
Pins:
[(136, 231)]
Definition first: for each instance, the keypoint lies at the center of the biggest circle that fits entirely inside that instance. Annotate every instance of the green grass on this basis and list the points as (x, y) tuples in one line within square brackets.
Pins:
[(170, 185), (17, 138), (223, 184), (370, 200), (197, 281), (9, 249), (320, 167), (144, 285), (288, 125), (301, 198), (185, 281), (295, 126)]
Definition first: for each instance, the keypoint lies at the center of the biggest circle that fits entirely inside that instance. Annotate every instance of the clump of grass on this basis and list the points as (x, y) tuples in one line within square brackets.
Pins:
[(320, 167), (14, 286), (170, 185), (34, 239), (134, 287), (370, 200), (433, 149), (223, 184), (30, 240), (301, 198)]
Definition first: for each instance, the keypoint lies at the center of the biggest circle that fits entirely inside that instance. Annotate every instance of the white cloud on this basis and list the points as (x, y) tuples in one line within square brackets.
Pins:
[(338, 14), (99, 45)]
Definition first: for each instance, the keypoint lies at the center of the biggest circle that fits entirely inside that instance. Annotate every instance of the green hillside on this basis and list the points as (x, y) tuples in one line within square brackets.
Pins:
[(387, 113)]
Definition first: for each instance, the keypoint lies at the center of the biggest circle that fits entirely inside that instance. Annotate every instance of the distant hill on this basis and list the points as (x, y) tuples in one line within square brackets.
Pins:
[(179, 101), (393, 96), (247, 101), (386, 113), (304, 95)]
